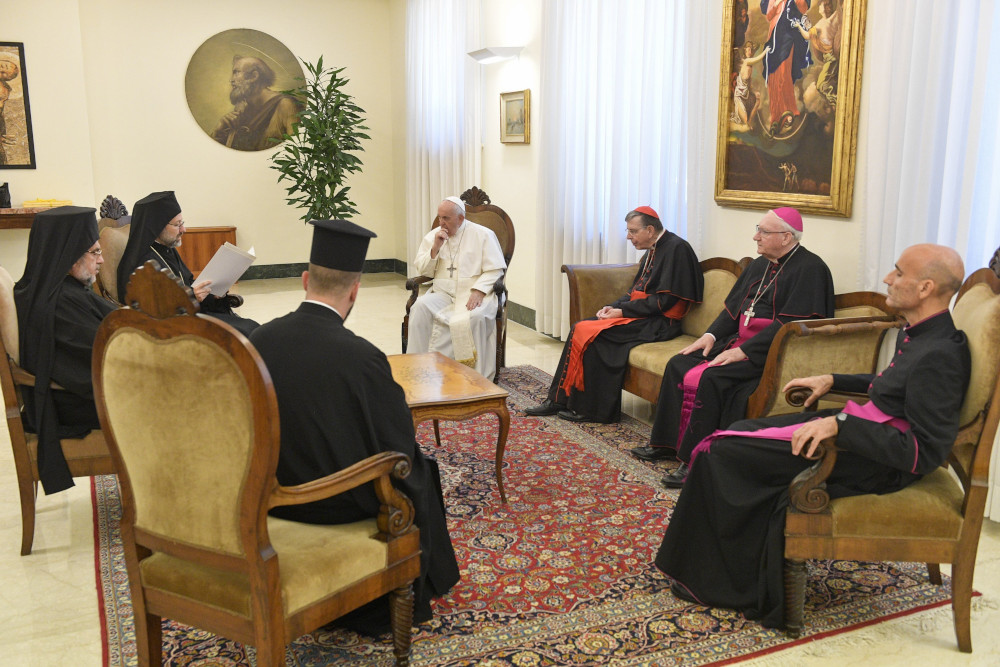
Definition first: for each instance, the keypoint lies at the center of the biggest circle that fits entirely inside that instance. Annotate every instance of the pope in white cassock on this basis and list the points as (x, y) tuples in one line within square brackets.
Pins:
[(457, 316)]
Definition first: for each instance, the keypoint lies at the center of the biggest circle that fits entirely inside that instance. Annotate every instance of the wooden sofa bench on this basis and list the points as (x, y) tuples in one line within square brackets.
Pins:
[(592, 286)]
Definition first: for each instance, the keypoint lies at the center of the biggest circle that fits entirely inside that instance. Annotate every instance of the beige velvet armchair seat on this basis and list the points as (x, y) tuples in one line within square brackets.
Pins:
[(479, 209), (935, 520), (85, 456), (192, 423)]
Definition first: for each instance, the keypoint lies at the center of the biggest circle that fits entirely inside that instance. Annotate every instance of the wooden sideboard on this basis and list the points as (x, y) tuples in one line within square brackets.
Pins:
[(18, 218), (200, 243)]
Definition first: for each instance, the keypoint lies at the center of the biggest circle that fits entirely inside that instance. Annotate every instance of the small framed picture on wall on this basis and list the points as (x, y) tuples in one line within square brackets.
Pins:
[(17, 147), (515, 117)]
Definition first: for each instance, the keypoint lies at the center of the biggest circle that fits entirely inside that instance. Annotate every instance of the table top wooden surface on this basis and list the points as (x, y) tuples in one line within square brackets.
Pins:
[(433, 379), (18, 218)]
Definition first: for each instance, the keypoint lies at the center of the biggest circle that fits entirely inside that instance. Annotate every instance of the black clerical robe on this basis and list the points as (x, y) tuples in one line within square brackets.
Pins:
[(725, 540), (796, 287), (338, 405), (668, 281), (211, 305)]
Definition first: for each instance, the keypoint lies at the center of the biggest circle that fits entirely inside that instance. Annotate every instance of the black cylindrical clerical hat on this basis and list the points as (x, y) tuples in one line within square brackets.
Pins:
[(339, 244)]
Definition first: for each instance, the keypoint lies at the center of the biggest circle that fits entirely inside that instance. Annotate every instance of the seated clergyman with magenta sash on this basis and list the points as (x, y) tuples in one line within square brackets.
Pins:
[(587, 384), (724, 546), (707, 384)]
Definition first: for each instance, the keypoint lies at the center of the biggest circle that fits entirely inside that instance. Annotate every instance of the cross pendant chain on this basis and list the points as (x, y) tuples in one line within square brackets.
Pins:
[(451, 271), (747, 315)]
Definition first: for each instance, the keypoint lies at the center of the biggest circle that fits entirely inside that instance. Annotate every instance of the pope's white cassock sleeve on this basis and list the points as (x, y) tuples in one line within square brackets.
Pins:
[(439, 320)]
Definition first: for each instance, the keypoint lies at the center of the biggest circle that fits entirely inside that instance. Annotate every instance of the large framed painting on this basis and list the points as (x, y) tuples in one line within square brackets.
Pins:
[(17, 146), (788, 104)]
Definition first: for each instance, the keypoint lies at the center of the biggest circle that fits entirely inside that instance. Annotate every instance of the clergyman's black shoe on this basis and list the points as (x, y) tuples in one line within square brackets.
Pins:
[(675, 480), (654, 453), (545, 409), (576, 417)]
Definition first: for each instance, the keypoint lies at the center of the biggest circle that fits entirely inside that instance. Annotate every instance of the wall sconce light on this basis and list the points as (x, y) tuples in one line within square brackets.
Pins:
[(494, 54)]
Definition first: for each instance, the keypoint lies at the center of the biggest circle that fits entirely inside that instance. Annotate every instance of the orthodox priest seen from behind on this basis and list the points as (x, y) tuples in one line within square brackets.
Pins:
[(725, 543), (58, 315), (155, 233), (339, 404), (707, 384), (457, 315), (588, 381)]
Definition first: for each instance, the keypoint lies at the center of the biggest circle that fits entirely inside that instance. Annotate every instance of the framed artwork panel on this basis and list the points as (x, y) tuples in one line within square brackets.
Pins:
[(17, 145), (515, 117), (788, 104)]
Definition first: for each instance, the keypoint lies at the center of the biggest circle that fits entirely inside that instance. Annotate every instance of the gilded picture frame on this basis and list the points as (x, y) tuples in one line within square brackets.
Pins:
[(17, 143), (515, 117), (790, 138)]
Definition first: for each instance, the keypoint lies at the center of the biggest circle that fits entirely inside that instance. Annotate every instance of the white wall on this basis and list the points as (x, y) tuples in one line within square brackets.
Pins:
[(50, 31), (110, 114)]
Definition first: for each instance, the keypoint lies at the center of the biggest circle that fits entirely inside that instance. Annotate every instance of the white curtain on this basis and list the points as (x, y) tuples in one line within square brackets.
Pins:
[(441, 103), (618, 88)]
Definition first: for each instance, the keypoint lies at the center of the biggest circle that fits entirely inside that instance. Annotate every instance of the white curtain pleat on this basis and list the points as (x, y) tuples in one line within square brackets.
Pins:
[(441, 97), (616, 117)]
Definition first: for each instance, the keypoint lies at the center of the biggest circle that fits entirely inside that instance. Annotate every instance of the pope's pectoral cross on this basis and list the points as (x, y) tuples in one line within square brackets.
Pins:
[(451, 271), (747, 315)]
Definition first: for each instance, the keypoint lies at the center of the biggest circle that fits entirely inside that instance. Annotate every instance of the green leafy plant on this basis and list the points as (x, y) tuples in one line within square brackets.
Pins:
[(317, 159)]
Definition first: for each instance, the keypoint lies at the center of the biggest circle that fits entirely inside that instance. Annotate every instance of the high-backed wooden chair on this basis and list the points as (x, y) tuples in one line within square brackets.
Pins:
[(480, 210), (113, 241), (934, 520), (85, 456), (197, 482)]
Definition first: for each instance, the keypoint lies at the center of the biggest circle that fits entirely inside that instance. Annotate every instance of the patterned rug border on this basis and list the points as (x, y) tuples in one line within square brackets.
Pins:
[(431, 648)]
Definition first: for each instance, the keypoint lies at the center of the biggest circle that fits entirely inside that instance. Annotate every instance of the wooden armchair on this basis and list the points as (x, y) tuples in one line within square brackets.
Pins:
[(934, 520), (86, 457), (192, 423), (478, 209)]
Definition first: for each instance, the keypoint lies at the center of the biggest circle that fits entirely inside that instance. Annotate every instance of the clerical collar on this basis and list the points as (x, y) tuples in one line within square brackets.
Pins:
[(788, 255), (325, 305), (925, 324)]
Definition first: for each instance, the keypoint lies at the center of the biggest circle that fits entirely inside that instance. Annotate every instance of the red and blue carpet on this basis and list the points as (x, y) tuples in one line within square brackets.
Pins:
[(560, 575)]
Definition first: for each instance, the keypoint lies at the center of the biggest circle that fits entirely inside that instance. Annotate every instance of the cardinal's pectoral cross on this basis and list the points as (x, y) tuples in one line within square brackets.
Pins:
[(747, 315)]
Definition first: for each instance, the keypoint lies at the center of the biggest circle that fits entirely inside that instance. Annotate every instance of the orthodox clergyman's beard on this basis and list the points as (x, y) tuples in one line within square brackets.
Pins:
[(176, 243), (241, 92)]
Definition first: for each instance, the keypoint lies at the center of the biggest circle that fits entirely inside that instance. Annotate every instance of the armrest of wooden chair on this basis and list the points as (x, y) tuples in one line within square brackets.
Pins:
[(813, 347), (593, 286), (396, 513)]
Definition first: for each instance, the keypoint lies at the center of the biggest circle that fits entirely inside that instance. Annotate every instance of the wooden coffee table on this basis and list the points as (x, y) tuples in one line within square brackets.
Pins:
[(437, 387)]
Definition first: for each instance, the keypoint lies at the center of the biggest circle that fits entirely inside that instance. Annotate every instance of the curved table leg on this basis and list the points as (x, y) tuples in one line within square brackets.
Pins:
[(504, 416)]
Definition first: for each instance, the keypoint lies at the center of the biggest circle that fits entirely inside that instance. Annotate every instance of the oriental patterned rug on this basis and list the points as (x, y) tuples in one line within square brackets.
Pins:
[(560, 575)]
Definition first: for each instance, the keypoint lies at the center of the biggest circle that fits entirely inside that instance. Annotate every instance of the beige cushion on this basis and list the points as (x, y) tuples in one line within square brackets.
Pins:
[(977, 313), (653, 357), (8, 315), (718, 284), (196, 405), (314, 562), (113, 240), (930, 507)]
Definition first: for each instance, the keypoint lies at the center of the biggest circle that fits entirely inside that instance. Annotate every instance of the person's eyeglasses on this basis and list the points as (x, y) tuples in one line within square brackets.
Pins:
[(764, 232), (95, 252), (176, 224), (633, 232)]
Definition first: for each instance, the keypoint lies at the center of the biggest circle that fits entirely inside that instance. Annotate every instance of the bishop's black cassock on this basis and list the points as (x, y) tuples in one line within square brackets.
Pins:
[(796, 287), (725, 541), (58, 317), (149, 216), (668, 282)]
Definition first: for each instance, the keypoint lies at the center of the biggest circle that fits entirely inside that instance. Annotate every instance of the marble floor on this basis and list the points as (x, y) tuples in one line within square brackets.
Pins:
[(48, 600)]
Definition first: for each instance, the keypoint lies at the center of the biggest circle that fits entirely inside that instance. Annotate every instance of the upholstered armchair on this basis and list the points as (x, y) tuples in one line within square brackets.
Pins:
[(86, 456), (192, 423), (934, 520), (479, 209)]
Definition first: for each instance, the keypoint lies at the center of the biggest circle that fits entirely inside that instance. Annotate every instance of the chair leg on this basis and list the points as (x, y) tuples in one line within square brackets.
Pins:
[(795, 595), (437, 433), (28, 491), (934, 573), (961, 598), (401, 617), (148, 638)]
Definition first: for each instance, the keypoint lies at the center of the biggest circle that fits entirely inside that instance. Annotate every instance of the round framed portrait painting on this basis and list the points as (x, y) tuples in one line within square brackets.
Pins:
[(233, 86)]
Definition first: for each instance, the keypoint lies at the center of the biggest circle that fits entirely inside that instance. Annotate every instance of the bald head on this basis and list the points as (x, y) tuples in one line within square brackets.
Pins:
[(942, 265)]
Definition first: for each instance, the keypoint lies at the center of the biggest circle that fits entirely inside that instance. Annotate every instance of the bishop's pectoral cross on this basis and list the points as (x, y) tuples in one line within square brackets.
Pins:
[(747, 314)]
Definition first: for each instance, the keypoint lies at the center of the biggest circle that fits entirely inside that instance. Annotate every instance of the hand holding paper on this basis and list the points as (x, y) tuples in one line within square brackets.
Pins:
[(226, 267)]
